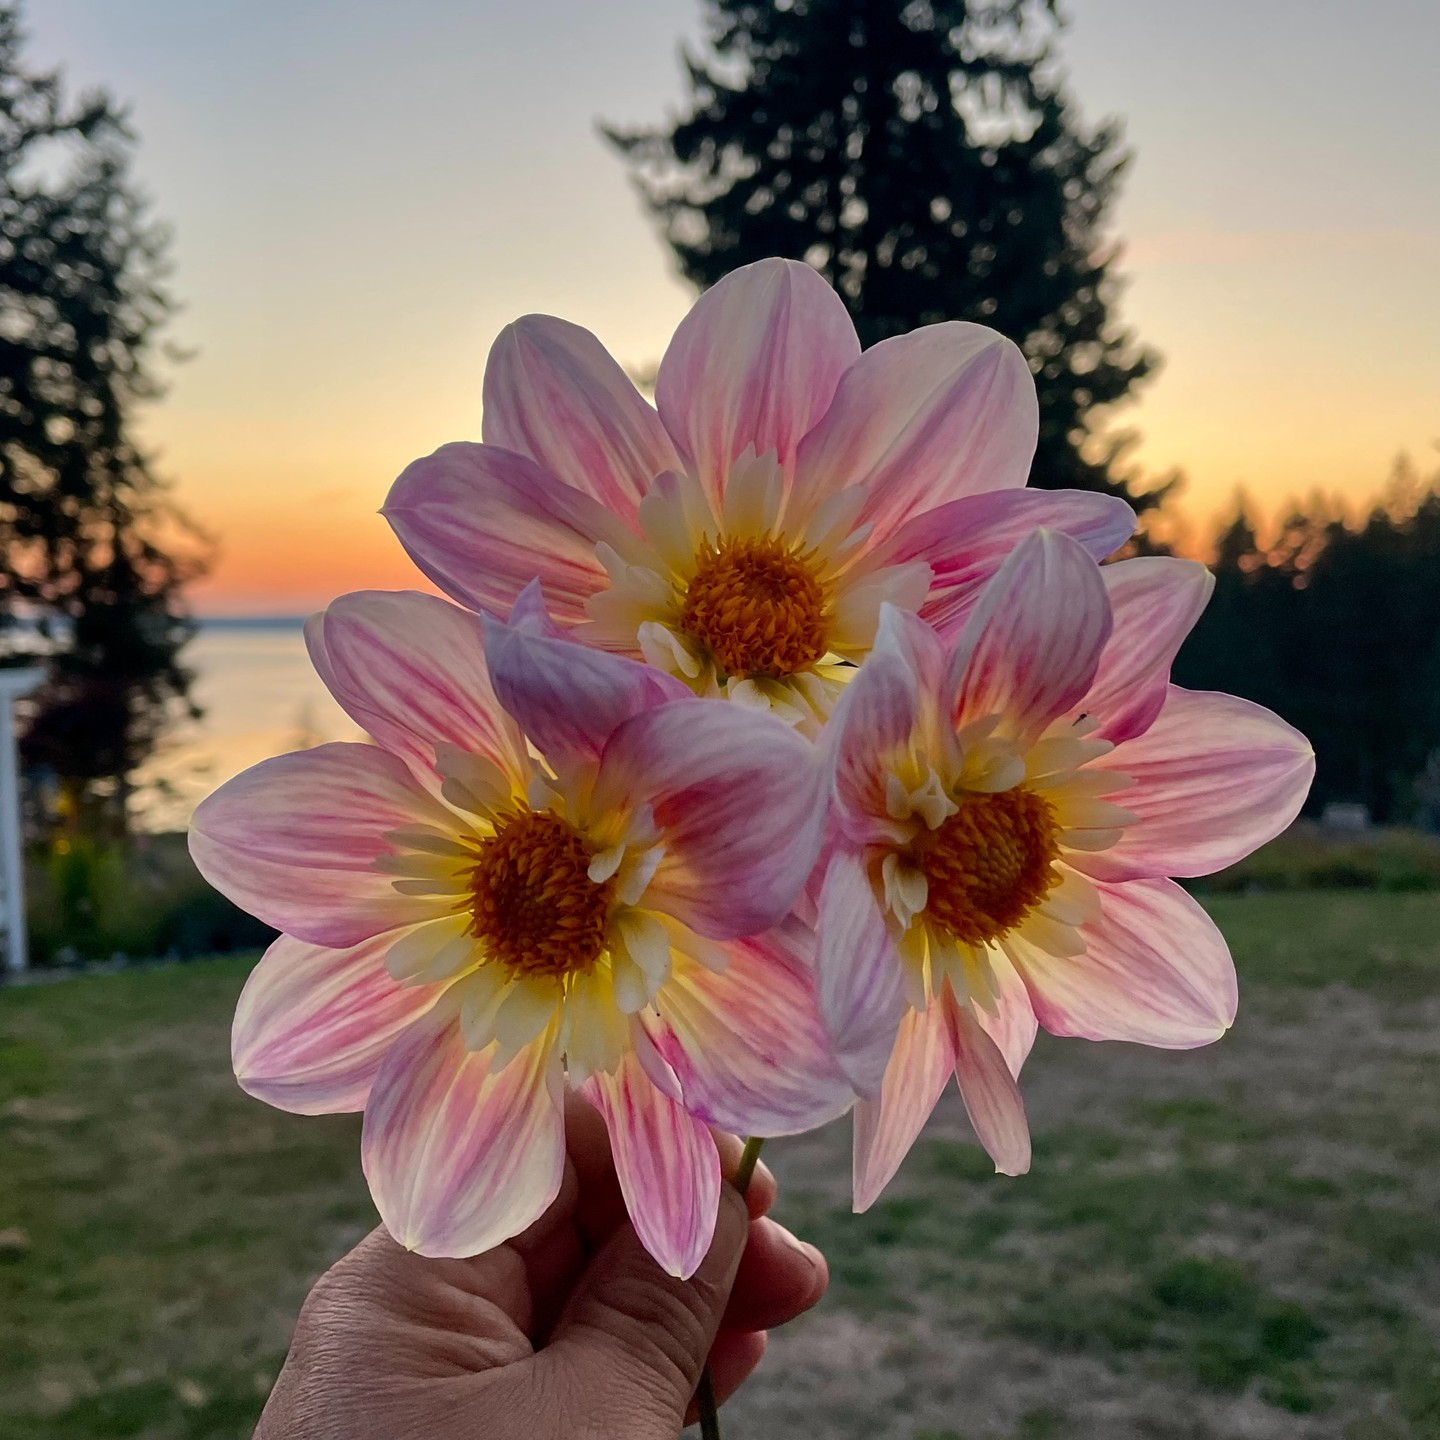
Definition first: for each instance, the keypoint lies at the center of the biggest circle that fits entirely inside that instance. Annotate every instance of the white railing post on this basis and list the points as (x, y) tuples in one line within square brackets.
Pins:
[(13, 684)]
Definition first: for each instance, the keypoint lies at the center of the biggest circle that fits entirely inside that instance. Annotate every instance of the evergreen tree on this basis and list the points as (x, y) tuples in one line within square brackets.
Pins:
[(922, 155), (92, 552)]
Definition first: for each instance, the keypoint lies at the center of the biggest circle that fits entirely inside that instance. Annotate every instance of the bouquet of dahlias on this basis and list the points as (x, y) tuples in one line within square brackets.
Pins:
[(781, 754)]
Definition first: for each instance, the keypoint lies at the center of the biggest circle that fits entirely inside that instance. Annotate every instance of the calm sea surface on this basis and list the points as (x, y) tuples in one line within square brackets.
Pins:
[(260, 698)]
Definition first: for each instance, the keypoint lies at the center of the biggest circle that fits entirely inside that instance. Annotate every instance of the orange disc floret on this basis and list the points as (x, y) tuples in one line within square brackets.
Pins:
[(535, 907), (758, 606), (990, 863)]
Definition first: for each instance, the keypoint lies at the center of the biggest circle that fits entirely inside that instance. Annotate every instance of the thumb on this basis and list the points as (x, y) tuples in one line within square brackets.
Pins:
[(628, 1351)]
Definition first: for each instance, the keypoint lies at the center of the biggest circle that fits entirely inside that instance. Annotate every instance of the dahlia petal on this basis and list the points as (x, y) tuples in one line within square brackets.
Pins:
[(483, 522), (567, 697), (1012, 1024), (1155, 601), (862, 992), (739, 799), (885, 1129), (295, 841), (461, 1156), (1029, 651), (992, 1098), (745, 1043), (553, 393), (753, 365), (667, 1165), (907, 636), (410, 670), (312, 1025), (876, 714), (946, 411), (1155, 970), (965, 541), (1215, 777)]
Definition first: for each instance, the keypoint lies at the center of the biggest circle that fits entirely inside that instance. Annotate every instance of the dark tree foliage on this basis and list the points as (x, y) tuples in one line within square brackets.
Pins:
[(925, 159), (1337, 627), (94, 555)]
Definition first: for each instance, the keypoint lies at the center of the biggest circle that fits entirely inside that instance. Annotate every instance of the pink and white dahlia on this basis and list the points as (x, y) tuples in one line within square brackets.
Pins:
[(743, 533), (542, 873), (1007, 814)]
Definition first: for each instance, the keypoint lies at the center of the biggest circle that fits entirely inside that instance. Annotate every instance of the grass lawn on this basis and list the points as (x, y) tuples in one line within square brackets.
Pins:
[(1237, 1242)]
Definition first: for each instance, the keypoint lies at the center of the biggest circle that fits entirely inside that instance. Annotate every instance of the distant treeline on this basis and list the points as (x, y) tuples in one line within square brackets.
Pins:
[(1335, 624)]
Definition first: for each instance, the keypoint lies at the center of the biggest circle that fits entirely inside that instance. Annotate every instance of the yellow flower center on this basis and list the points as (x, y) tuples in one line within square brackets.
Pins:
[(989, 864), (535, 907), (758, 606)]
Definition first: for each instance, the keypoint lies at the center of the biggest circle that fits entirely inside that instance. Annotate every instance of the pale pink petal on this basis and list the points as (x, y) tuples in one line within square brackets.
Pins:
[(667, 1164), (1155, 601), (461, 1157), (294, 840), (1215, 778), (567, 697), (1155, 970), (991, 1096), (1031, 646), (483, 522), (861, 979), (876, 715), (312, 1025), (946, 411), (746, 1043), (965, 541), (740, 800), (885, 1129), (754, 364), (410, 669), (1013, 1025), (553, 393), (908, 637)]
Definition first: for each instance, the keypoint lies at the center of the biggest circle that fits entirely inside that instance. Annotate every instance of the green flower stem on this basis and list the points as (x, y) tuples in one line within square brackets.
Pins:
[(705, 1393)]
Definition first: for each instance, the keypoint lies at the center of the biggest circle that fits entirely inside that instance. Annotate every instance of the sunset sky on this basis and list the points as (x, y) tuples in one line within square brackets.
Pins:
[(363, 193)]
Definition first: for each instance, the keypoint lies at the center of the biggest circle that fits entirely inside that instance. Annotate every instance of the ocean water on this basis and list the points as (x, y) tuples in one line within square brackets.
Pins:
[(260, 697)]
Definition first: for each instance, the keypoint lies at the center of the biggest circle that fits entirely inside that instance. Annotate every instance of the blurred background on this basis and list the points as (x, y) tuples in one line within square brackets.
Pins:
[(252, 257)]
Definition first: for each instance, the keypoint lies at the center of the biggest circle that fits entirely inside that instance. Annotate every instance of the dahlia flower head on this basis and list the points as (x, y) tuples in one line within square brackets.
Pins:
[(554, 868), (1011, 798), (743, 533)]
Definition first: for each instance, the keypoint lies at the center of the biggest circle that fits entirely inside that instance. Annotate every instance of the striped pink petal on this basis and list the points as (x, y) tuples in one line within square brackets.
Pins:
[(667, 1164), (294, 841), (746, 1044), (991, 1096), (753, 365), (876, 714), (1155, 970), (740, 801), (885, 1129), (1155, 601), (946, 411), (1013, 1025), (567, 697), (312, 1025), (461, 1157), (554, 394), (1032, 644), (483, 522), (1215, 778), (861, 981), (410, 669), (965, 541)]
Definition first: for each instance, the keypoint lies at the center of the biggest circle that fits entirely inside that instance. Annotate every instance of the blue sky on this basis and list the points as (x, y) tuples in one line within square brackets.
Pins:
[(363, 193)]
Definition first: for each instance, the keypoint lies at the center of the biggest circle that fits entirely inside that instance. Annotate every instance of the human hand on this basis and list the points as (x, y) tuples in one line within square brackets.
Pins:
[(570, 1331)]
